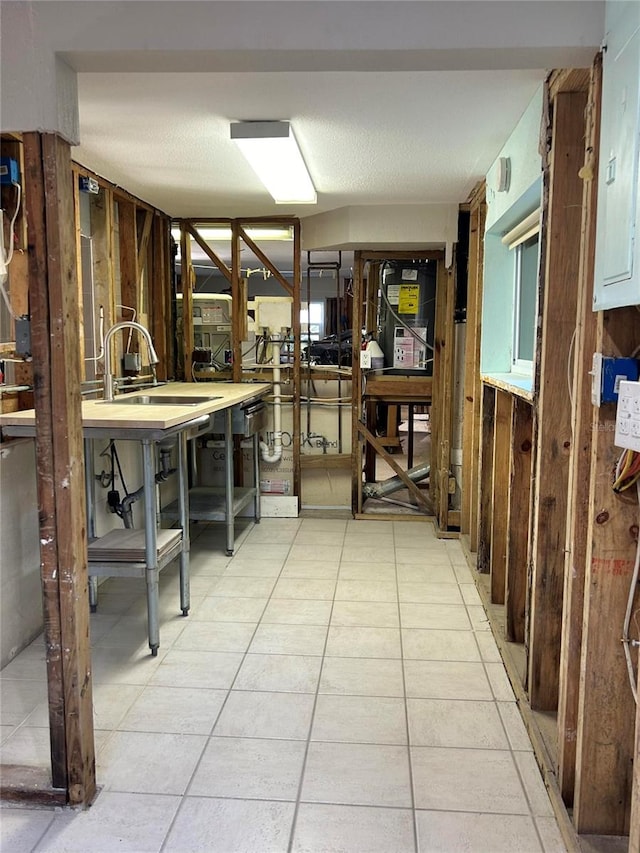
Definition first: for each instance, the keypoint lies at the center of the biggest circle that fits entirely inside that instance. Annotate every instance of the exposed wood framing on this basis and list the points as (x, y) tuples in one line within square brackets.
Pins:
[(297, 362), (206, 248), (60, 469), (553, 423), (486, 478), (371, 439), (579, 498), (257, 251), (518, 520), (472, 383), (442, 409), (186, 284), (161, 309), (606, 711), (500, 514), (356, 412), (634, 831)]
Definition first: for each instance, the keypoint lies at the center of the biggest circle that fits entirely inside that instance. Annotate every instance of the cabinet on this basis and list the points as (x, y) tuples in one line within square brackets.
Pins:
[(617, 260)]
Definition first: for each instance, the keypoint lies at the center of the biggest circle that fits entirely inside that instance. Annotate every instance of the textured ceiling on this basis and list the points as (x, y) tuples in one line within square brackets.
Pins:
[(368, 137)]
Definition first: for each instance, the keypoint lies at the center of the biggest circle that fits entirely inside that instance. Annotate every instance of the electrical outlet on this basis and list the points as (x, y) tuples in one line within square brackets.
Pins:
[(628, 416), (365, 359)]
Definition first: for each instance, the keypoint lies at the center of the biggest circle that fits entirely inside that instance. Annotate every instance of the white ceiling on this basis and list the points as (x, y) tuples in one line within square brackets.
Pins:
[(367, 137)]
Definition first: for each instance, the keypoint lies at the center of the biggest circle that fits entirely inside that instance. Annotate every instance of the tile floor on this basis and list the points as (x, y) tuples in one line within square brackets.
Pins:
[(335, 687)]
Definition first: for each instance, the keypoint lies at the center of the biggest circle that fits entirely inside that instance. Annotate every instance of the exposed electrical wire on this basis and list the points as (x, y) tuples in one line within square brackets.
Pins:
[(8, 257)]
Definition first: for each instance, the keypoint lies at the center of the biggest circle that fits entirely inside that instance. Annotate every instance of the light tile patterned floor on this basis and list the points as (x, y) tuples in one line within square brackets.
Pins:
[(336, 687)]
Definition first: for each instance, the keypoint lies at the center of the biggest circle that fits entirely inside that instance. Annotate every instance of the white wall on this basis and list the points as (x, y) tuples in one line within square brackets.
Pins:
[(20, 589)]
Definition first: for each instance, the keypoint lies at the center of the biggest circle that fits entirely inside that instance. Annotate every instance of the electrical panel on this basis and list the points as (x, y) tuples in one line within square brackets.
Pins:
[(617, 259), (628, 416)]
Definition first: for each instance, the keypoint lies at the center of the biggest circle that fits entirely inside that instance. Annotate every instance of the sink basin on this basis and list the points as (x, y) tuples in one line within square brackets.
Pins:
[(160, 400)]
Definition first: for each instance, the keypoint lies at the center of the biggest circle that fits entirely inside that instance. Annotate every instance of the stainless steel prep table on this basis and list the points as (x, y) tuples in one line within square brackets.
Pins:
[(123, 419)]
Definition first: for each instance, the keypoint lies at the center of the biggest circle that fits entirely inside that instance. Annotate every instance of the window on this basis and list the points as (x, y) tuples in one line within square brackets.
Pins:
[(312, 321), (524, 241)]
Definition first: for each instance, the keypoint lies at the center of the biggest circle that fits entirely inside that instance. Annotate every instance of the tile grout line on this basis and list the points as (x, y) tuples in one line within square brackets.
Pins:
[(406, 706), (185, 793), (296, 810)]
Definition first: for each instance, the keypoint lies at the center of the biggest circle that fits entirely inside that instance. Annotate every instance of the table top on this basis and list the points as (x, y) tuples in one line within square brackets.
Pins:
[(103, 416)]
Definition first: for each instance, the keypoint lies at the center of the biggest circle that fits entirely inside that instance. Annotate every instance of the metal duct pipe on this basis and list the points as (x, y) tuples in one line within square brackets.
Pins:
[(379, 490)]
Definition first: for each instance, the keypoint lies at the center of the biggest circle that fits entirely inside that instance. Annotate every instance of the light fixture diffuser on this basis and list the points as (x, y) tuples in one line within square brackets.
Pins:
[(272, 152)]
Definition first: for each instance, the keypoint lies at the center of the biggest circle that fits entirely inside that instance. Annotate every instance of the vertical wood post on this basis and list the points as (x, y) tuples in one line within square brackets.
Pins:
[(500, 513), (472, 382), (59, 462), (519, 520), (579, 466), (186, 280), (553, 434), (606, 711), (356, 386), (297, 361), (486, 478)]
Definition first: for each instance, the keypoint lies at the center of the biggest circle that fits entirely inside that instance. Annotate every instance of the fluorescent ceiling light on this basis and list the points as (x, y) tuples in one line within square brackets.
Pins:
[(212, 234), (272, 152)]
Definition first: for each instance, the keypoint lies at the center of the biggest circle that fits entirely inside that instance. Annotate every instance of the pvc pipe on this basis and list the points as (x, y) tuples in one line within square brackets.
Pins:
[(274, 454)]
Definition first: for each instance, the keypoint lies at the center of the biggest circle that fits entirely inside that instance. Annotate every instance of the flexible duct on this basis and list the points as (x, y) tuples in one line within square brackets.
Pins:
[(379, 490), (274, 454)]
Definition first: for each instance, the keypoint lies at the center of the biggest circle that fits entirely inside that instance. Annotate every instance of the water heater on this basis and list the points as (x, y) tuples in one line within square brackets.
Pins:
[(407, 313)]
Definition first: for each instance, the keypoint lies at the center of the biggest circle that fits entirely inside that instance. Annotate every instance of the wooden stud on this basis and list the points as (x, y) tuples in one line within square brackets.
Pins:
[(634, 823), (236, 300), (59, 463), (297, 362), (356, 440), (519, 520), (486, 478), (257, 251), (500, 514), (186, 281), (444, 362), (220, 264), (553, 431), (579, 465), (413, 488)]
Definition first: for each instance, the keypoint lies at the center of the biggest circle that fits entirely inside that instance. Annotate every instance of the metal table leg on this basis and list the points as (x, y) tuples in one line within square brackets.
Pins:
[(183, 505), (151, 546), (256, 476), (90, 499), (229, 480)]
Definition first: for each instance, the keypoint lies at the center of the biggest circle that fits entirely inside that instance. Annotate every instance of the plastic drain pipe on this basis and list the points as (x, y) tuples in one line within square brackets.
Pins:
[(274, 454), (388, 487)]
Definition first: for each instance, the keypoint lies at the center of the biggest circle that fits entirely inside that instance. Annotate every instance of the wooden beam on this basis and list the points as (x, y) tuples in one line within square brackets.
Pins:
[(519, 520), (59, 463), (257, 251), (356, 387), (579, 465), (606, 710), (186, 282), (297, 362), (562, 226), (161, 319), (326, 461), (400, 389), (236, 301), (500, 513), (486, 478), (415, 491), (143, 241), (472, 385), (444, 362), (224, 269)]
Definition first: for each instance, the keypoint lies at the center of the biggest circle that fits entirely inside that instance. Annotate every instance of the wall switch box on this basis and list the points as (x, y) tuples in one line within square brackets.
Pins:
[(132, 362), (607, 373), (88, 185), (23, 336), (9, 172), (628, 416)]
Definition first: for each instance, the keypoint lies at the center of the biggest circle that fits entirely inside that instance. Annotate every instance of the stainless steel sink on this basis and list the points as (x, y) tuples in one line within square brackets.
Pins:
[(160, 400)]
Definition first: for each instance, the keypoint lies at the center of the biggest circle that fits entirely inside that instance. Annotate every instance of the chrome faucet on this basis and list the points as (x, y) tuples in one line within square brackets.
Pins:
[(106, 348)]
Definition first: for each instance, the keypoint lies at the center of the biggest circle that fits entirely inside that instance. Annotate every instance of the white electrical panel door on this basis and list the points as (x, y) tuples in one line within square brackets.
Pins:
[(617, 262)]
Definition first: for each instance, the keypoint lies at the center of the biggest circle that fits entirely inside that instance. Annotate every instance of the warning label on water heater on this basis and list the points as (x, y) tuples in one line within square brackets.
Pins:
[(408, 350), (409, 298)]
